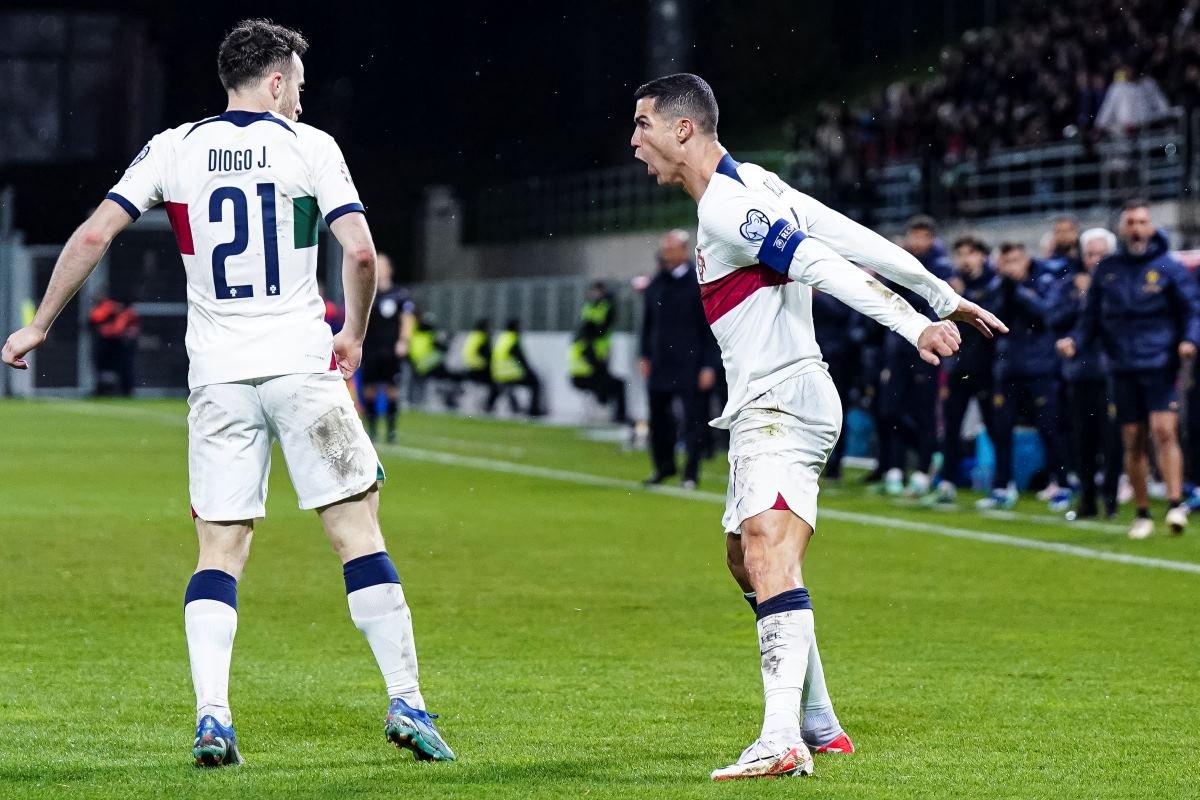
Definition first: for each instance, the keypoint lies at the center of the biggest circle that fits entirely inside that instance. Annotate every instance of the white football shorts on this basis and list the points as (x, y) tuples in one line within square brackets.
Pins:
[(778, 445), (230, 430)]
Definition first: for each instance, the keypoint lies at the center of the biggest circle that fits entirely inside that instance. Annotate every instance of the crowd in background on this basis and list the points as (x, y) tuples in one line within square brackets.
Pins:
[(1078, 69)]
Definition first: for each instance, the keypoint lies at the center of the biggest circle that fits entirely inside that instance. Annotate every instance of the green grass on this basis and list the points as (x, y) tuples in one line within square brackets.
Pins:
[(580, 641)]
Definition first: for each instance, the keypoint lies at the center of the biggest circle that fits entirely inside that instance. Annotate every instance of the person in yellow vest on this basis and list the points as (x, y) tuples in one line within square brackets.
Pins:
[(427, 348), (587, 363), (477, 353), (511, 369)]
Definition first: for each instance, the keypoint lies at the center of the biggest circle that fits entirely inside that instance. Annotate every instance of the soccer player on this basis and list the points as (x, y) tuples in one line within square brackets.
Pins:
[(389, 332), (243, 191), (761, 246)]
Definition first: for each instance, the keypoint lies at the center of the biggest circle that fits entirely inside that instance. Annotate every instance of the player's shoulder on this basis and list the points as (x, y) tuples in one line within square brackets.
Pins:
[(312, 135)]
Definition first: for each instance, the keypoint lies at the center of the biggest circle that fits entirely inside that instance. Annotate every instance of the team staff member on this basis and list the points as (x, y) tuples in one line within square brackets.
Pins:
[(390, 327), (968, 374), (1145, 309), (477, 353), (679, 360), (1095, 433), (510, 369), (834, 326), (1026, 373)]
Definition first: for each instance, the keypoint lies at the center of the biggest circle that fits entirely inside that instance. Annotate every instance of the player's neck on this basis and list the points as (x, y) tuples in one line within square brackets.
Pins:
[(697, 172), (250, 102)]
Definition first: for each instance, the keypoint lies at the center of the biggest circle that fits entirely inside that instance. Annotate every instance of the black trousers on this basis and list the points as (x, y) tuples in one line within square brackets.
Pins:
[(665, 430), (607, 388), (908, 414), (1037, 399), (959, 391), (530, 381), (841, 369), (1096, 440)]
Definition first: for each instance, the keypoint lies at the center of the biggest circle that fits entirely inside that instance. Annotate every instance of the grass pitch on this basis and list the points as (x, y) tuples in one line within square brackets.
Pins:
[(580, 637)]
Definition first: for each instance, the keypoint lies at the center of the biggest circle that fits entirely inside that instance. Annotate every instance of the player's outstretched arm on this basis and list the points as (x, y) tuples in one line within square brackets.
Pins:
[(816, 265), (864, 247), (358, 284), (78, 259)]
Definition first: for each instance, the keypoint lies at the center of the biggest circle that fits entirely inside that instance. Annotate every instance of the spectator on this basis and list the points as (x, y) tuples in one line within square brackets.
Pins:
[(679, 360), (1130, 105), (1145, 308), (908, 392), (1094, 432), (1025, 374), (116, 327), (969, 374), (510, 369)]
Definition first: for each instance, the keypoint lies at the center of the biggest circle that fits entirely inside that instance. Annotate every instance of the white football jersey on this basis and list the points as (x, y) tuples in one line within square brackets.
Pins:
[(244, 192), (762, 247)]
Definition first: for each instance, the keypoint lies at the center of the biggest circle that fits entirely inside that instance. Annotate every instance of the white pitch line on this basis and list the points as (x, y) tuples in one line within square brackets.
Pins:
[(585, 479)]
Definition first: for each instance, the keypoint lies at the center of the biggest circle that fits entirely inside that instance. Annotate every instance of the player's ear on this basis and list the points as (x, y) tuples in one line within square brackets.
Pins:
[(684, 129)]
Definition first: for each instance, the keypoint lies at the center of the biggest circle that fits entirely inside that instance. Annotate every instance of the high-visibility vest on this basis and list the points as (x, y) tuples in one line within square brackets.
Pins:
[(472, 351), (578, 365), (505, 367), (597, 313), (423, 352)]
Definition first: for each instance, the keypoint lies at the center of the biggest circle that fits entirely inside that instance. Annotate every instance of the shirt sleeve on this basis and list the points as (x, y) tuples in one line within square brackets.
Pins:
[(816, 264), (336, 193), (141, 187), (866, 248)]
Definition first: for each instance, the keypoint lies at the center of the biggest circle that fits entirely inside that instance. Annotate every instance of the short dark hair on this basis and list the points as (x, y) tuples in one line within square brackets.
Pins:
[(1008, 247), (683, 95), (1134, 202), (254, 48), (973, 242), (921, 222)]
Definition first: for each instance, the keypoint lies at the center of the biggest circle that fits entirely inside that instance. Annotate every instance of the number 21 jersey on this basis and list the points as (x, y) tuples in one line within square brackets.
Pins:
[(244, 192)]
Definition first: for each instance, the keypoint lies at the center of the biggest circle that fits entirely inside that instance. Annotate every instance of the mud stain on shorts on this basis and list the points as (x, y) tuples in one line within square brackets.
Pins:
[(333, 436)]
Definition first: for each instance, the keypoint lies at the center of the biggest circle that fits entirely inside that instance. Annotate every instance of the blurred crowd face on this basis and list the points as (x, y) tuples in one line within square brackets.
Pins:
[(1066, 236), (1014, 264), (383, 273), (1135, 230), (918, 241), (1093, 251), (673, 251), (968, 261)]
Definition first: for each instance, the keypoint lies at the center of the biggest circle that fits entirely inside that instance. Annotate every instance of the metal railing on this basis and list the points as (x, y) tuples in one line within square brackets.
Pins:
[(1159, 163)]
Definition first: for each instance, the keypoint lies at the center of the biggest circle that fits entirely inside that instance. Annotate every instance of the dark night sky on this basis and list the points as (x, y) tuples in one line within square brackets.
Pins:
[(473, 93)]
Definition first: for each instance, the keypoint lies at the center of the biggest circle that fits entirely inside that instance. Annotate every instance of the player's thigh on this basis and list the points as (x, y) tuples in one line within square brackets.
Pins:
[(774, 541), (229, 452), (778, 446), (328, 454)]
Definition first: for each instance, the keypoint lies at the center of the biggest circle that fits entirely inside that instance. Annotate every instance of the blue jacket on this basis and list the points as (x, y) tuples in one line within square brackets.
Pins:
[(897, 351), (977, 352), (1027, 351), (1140, 308), (833, 323), (1066, 307)]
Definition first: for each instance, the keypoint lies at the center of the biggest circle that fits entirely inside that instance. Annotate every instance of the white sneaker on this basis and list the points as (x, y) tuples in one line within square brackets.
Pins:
[(1141, 528), (766, 759), (1177, 518), (918, 485), (1047, 494), (893, 483)]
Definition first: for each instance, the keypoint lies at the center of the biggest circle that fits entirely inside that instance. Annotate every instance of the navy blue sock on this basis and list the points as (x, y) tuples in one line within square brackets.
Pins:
[(751, 600), (369, 570), (791, 600), (212, 584)]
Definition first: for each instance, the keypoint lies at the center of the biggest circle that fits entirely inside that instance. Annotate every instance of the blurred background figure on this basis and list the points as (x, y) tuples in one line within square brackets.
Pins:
[(969, 374), (590, 349), (679, 360), (427, 348), (908, 387), (510, 370), (477, 354), (1144, 307), (115, 332), (335, 315), (1095, 438), (391, 324), (1026, 375), (834, 325)]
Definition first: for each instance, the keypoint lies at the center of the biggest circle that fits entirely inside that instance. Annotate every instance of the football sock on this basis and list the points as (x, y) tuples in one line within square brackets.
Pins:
[(1143, 513), (210, 619), (371, 410), (821, 724), (379, 610), (785, 634), (1174, 503), (751, 600), (391, 417)]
